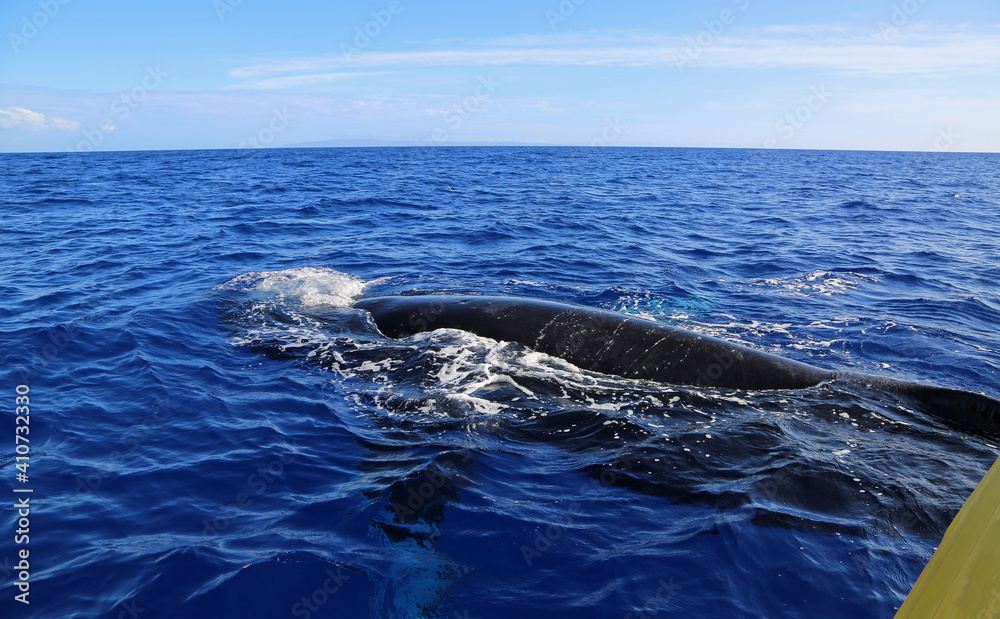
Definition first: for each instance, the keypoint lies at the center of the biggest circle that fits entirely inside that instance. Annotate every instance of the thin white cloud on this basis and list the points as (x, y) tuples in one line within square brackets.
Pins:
[(308, 79), (26, 120), (920, 49)]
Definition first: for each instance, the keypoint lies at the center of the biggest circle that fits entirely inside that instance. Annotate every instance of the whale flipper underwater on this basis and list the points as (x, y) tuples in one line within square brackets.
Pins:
[(621, 345)]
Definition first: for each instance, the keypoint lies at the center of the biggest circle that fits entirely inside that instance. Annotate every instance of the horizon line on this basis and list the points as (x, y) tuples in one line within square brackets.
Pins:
[(395, 144)]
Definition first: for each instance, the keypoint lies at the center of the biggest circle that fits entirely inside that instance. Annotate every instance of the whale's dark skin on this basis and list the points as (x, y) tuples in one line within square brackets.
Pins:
[(621, 345)]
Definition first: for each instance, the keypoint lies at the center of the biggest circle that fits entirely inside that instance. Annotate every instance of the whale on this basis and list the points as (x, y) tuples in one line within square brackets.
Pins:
[(622, 345)]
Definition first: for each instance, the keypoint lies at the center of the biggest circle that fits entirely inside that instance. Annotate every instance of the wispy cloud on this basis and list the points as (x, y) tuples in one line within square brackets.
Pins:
[(26, 120), (922, 49), (306, 79)]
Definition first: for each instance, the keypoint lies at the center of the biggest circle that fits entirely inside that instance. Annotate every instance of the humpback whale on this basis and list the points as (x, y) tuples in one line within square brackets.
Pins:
[(627, 346)]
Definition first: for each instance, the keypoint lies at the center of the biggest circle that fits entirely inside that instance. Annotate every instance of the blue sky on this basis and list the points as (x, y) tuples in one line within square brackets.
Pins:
[(117, 75)]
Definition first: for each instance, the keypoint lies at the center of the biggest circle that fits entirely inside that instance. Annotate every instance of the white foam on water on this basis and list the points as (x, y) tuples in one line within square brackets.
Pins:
[(310, 286), (304, 333), (469, 369), (822, 283)]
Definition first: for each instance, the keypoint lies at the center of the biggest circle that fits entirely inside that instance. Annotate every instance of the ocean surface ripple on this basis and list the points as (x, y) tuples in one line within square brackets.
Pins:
[(217, 433)]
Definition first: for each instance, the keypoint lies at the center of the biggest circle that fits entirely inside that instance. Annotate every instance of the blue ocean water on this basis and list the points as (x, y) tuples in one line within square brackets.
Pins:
[(214, 432)]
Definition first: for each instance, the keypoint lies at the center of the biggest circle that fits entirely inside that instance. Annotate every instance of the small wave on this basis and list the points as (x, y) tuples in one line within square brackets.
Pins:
[(857, 204), (823, 283)]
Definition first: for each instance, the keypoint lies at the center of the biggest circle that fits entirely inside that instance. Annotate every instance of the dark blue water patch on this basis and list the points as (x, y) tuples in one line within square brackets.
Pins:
[(239, 451)]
